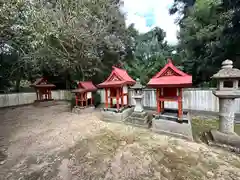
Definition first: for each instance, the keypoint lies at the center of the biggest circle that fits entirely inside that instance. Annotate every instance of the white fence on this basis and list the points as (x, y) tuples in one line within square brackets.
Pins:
[(16, 99), (193, 99)]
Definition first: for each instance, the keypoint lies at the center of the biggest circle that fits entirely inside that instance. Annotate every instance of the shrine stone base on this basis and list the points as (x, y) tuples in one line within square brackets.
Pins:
[(114, 116), (45, 103), (140, 119), (168, 123), (81, 110)]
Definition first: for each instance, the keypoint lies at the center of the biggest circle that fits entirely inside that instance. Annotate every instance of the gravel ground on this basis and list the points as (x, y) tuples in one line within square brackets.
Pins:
[(54, 144)]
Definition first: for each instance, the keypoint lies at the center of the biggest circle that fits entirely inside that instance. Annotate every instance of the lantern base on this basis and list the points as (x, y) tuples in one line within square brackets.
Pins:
[(140, 119)]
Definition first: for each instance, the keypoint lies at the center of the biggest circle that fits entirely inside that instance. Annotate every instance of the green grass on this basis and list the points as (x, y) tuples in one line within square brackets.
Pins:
[(199, 126)]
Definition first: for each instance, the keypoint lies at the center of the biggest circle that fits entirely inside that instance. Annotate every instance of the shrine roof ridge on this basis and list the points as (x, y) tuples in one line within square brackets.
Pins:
[(170, 75), (117, 77), (87, 85), (38, 82)]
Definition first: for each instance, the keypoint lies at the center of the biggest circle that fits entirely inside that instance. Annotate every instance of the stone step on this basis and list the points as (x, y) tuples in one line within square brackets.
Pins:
[(139, 115), (134, 121), (138, 125)]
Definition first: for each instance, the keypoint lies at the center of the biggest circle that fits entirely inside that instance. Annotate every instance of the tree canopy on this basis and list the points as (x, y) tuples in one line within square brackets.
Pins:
[(69, 38), (72, 40), (209, 34)]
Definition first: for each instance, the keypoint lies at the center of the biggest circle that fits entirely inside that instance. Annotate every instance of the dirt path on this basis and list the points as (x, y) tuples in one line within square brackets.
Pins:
[(53, 144)]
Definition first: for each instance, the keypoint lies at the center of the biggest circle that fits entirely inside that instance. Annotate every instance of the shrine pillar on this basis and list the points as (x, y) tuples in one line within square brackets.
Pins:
[(180, 110), (111, 99), (122, 97), (106, 97), (81, 97), (158, 100), (117, 98), (162, 102)]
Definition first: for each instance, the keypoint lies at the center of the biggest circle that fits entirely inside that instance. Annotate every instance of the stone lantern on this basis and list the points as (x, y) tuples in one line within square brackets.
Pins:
[(138, 96), (139, 117), (227, 91)]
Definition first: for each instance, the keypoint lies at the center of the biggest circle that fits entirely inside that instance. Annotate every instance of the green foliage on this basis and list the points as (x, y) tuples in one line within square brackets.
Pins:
[(149, 54), (72, 102), (96, 99), (60, 38), (82, 39), (209, 34), (77, 33)]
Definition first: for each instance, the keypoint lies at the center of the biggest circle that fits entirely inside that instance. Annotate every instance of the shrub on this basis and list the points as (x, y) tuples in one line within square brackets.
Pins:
[(96, 99), (72, 103)]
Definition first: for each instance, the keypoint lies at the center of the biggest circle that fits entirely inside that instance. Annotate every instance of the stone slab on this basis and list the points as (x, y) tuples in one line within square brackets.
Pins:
[(78, 110), (45, 103), (182, 130), (227, 139), (116, 116)]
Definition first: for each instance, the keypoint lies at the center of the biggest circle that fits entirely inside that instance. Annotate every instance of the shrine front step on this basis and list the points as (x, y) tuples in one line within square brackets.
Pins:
[(116, 116), (181, 130), (78, 110)]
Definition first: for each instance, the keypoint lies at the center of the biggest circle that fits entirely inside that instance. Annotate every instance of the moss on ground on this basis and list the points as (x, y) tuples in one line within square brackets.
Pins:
[(137, 155), (203, 125)]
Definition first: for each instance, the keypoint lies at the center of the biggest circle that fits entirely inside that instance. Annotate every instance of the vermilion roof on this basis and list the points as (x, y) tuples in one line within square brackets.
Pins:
[(87, 86), (42, 83), (170, 75), (38, 81), (117, 77)]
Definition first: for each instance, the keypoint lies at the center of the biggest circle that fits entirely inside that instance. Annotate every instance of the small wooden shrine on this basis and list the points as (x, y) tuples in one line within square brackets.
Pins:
[(43, 89), (83, 94), (169, 83), (116, 88)]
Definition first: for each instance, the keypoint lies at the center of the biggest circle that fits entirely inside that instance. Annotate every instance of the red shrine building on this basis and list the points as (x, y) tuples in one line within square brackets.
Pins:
[(169, 84), (116, 88), (83, 94), (43, 89)]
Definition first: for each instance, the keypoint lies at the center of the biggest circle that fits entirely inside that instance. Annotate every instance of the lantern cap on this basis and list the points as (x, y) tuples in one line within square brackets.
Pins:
[(138, 85), (227, 71)]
